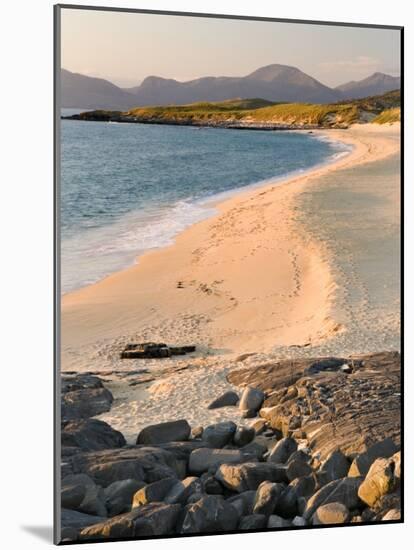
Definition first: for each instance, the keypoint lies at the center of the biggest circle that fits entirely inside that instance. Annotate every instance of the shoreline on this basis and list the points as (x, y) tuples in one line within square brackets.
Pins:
[(210, 203), (88, 314)]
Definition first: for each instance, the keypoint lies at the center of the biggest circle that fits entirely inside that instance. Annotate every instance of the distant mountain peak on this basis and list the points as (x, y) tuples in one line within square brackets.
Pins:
[(374, 84), (270, 72)]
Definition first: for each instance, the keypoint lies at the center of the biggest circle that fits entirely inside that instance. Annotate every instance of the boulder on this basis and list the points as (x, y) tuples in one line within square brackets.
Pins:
[(210, 514), (79, 382), (254, 450), (180, 492), (154, 492), (267, 497), (177, 430), (344, 491), (332, 513), (147, 464), (85, 403), (93, 499), (218, 435), (363, 461), (77, 520), (253, 521), (243, 436), (297, 468), (243, 502), (91, 435), (250, 475), (251, 399), (202, 460), (150, 520), (228, 399), (118, 496), (210, 484), (276, 522), (282, 451), (334, 467), (378, 482), (72, 494)]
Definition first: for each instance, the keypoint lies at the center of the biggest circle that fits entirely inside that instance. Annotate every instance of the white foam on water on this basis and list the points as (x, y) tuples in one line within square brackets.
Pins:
[(94, 254)]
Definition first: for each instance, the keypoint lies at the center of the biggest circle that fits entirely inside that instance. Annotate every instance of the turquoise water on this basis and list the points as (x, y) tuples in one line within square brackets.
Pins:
[(129, 188)]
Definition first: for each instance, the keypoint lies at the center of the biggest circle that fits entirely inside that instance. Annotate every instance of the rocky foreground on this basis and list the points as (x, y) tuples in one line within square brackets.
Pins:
[(322, 447)]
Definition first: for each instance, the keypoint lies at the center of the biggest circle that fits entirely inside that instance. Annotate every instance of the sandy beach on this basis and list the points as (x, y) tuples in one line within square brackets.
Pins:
[(304, 266)]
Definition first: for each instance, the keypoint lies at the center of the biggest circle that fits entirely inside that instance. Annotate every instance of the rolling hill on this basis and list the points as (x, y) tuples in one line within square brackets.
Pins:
[(260, 114)]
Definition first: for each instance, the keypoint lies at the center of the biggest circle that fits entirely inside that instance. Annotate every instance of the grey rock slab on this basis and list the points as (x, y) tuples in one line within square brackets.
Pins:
[(177, 430), (218, 435), (202, 460)]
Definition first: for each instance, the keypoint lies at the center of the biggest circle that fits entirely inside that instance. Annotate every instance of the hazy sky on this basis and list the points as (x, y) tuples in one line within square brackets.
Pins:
[(127, 47)]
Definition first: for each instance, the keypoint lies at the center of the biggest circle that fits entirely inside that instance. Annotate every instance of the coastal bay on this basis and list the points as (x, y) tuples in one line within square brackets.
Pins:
[(261, 277)]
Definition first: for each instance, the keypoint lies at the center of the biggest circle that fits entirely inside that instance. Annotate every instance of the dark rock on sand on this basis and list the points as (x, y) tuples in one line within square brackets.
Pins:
[(218, 435), (326, 364), (228, 399), (151, 350), (119, 495), (250, 475), (210, 514), (85, 403), (91, 435), (149, 520), (177, 430), (79, 382)]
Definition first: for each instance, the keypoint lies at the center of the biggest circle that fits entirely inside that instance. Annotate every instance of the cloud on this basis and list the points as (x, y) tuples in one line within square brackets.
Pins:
[(359, 64)]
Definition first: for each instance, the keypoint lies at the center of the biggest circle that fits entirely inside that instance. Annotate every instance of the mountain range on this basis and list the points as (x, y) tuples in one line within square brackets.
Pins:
[(273, 82)]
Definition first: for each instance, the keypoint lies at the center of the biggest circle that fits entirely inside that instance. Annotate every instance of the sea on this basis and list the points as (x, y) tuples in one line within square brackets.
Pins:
[(126, 189)]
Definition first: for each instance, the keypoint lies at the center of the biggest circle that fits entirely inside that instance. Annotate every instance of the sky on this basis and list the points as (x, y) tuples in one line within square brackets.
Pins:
[(127, 47)]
